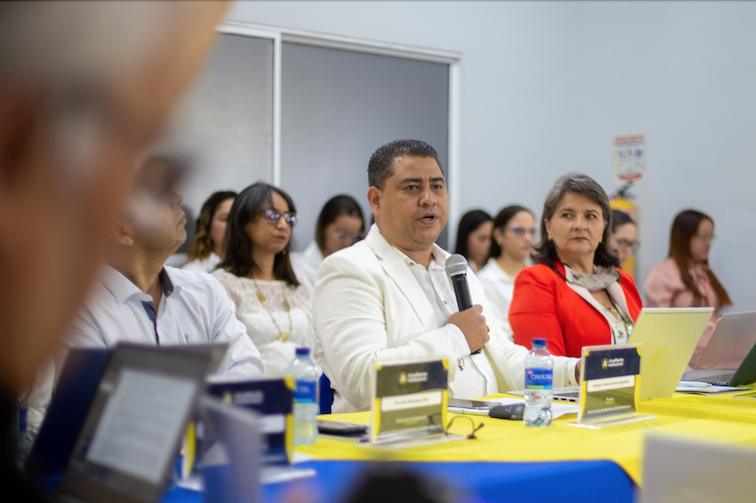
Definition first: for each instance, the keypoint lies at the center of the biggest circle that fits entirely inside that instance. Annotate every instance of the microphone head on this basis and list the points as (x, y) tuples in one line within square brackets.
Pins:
[(456, 265)]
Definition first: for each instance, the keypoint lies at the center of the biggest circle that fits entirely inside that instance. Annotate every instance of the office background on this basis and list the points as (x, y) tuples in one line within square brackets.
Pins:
[(543, 88)]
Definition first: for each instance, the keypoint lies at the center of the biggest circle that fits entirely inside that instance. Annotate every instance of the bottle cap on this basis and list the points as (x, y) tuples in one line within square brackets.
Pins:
[(303, 351), (539, 342)]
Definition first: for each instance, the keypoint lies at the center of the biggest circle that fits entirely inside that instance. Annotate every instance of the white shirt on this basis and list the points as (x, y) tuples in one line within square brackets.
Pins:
[(207, 264), (369, 307), (475, 377), (264, 323), (307, 263), (499, 288), (194, 309)]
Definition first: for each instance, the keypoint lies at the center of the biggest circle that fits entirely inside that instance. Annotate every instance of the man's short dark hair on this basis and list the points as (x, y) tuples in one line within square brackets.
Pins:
[(381, 165)]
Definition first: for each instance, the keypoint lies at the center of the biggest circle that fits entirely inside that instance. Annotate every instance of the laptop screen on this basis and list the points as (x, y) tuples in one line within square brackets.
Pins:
[(74, 391), (731, 341), (128, 444)]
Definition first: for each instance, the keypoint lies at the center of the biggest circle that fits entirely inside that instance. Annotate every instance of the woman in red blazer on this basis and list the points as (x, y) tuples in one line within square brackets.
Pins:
[(575, 295)]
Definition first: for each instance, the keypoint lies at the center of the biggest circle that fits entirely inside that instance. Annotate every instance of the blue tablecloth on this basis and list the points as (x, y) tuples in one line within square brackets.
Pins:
[(566, 482)]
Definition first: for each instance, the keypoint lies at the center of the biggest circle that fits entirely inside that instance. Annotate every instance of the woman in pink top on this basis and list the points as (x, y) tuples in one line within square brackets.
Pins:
[(684, 278)]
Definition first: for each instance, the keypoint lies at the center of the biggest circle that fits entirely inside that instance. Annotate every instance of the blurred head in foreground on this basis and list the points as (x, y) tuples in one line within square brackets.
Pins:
[(84, 86), (152, 225)]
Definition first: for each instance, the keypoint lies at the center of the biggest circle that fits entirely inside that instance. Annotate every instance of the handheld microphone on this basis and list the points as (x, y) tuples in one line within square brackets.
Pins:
[(456, 268), (514, 411)]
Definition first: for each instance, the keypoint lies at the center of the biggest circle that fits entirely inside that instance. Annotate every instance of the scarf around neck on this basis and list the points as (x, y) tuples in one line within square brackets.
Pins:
[(599, 280)]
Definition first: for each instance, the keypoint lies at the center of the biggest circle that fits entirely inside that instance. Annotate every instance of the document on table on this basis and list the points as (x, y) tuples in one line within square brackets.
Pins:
[(140, 422), (557, 409), (703, 388)]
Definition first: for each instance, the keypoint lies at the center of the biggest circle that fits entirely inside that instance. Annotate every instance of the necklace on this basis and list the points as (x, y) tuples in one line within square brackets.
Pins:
[(623, 326), (282, 336)]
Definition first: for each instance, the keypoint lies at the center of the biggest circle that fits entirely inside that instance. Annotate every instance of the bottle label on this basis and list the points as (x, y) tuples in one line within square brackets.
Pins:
[(305, 392), (538, 378)]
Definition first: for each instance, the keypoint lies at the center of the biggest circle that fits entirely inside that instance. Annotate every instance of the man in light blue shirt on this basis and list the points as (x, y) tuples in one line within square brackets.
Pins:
[(138, 299)]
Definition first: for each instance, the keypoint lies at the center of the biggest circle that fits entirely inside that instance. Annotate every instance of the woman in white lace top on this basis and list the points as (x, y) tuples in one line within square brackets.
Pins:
[(272, 303)]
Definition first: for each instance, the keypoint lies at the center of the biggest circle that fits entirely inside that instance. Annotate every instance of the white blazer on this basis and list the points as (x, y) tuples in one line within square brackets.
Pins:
[(368, 307)]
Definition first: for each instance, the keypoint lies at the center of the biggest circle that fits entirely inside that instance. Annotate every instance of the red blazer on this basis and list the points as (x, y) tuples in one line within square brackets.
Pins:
[(545, 306)]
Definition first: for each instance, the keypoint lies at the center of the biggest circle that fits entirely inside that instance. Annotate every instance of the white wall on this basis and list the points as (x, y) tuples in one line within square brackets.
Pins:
[(546, 85)]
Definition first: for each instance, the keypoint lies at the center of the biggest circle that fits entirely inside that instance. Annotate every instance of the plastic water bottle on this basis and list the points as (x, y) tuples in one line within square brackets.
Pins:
[(539, 374), (306, 404)]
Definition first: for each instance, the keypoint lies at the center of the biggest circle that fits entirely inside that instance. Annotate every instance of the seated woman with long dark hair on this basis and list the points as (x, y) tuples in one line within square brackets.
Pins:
[(474, 238), (513, 237), (575, 295), (257, 274), (340, 225), (624, 236), (684, 278), (207, 248)]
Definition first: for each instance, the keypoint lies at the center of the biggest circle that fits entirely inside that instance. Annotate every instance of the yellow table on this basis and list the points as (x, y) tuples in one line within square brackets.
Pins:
[(724, 407), (718, 419)]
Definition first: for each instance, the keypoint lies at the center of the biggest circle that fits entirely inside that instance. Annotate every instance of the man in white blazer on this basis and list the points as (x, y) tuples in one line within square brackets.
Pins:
[(389, 297)]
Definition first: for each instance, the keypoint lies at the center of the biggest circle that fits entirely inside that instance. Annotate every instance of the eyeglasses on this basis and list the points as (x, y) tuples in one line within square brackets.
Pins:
[(353, 236), (624, 243), (272, 217), (706, 238), (472, 430), (520, 231)]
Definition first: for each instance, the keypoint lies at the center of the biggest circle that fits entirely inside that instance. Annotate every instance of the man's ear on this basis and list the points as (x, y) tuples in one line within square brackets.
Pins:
[(374, 199), (121, 233)]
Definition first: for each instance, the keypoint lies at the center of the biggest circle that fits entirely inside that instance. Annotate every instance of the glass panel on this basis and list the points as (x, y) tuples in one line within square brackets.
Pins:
[(337, 108), (225, 120)]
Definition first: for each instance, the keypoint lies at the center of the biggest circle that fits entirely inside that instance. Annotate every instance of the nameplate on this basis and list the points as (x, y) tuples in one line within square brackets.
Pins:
[(273, 398), (610, 384), (409, 400)]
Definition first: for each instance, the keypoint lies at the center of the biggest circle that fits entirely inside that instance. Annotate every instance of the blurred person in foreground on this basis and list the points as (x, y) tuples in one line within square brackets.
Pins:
[(684, 279), (83, 88), (340, 224), (474, 238), (207, 249), (136, 298), (575, 295), (624, 236), (513, 237), (389, 297)]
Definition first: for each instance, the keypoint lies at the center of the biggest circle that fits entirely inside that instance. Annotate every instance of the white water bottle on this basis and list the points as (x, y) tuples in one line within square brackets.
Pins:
[(306, 403), (539, 375)]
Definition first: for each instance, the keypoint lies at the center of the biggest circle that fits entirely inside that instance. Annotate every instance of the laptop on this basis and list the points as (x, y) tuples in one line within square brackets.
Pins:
[(231, 467), (669, 337), (729, 358), (74, 390), (127, 445), (70, 401), (684, 471)]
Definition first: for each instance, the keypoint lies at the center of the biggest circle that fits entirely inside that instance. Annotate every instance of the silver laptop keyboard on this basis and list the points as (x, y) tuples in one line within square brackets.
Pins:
[(720, 380)]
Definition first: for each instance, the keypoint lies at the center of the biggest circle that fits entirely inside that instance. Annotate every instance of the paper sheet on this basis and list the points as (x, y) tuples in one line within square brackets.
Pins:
[(140, 424), (557, 409), (704, 388)]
